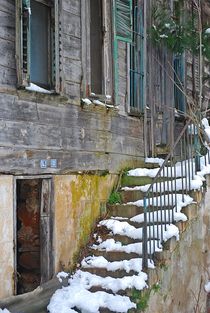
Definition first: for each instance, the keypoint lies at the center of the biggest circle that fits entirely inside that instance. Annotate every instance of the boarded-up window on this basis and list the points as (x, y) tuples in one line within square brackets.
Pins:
[(37, 40)]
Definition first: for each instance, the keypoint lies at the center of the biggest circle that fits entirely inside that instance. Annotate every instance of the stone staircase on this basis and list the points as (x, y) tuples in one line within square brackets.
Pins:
[(110, 277), (113, 260)]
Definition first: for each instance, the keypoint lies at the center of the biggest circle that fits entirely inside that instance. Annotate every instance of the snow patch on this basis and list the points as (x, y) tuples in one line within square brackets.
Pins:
[(62, 275), (75, 295), (86, 101), (33, 87)]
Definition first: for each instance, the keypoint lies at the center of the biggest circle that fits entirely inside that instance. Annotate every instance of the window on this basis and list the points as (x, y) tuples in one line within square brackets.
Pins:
[(96, 40), (137, 61), (37, 41), (179, 75), (97, 47)]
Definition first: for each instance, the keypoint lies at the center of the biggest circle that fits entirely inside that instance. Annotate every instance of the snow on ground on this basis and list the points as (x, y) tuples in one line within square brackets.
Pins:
[(4, 311)]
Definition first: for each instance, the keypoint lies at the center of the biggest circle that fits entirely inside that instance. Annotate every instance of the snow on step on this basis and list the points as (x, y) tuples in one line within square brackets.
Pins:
[(88, 280), (171, 200), (110, 245), (160, 216), (75, 295), (126, 265), (125, 229), (174, 185), (178, 170)]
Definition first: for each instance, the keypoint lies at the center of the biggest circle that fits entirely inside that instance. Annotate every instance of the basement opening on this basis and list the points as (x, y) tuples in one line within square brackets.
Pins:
[(33, 233)]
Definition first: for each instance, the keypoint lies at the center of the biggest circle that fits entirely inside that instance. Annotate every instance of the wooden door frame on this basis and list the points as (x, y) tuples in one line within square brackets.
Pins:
[(51, 258)]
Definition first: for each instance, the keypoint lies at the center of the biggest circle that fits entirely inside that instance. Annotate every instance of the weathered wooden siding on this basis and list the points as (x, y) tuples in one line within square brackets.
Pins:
[(122, 75), (70, 19), (36, 126), (7, 44), (79, 138), (159, 92)]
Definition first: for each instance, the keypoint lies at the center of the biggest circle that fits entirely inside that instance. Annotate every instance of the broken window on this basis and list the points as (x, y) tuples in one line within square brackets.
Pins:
[(37, 42)]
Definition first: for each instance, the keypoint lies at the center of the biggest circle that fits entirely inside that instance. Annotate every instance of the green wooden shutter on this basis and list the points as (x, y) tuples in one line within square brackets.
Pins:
[(23, 16), (123, 19)]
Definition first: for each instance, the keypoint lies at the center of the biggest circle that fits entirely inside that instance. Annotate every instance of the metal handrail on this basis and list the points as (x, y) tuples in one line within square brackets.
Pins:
[(165, 193)]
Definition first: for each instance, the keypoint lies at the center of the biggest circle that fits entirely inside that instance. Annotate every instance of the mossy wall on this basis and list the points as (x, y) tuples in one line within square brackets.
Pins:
[(78, 202)]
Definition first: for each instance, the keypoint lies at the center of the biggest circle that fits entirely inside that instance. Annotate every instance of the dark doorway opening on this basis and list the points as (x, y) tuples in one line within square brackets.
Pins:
[(33, 233)]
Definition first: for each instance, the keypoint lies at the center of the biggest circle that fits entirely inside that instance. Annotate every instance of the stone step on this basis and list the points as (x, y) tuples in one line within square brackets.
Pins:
[(103, 272), (112, 256), (132, 181), (124, 210), (131, 195), (126, 292)]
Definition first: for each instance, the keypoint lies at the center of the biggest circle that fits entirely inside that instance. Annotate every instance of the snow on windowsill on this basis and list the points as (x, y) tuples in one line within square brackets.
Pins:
[(35, 88)]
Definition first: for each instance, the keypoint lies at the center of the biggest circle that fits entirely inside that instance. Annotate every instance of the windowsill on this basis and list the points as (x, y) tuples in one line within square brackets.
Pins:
[(99, 101), (34, 88)]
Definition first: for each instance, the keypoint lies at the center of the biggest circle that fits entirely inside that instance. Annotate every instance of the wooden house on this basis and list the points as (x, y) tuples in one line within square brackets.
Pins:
[(84, 93)]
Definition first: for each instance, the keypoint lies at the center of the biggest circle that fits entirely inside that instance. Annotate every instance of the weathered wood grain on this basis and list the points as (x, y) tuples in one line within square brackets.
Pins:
[(71, 24), (8, 6), (71, 47), (72, 70), (7, 52), (72, 6), (7, 26)]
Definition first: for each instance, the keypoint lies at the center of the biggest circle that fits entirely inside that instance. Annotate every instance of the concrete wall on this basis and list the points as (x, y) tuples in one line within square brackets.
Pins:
[(6, 236), (78, 202), (183, 274)]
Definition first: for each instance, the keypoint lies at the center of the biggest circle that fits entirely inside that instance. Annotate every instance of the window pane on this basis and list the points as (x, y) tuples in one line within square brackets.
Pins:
[(40, 45)]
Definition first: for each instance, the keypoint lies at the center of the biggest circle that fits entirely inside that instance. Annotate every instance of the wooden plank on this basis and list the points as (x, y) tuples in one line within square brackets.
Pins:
[(72, 89), (33, 135), (72, 70), (7, 26), (46, 240), (7, 52), (72, 6), (71, 24), (71, 47), (21, 161), (8, 77), (8, 6)]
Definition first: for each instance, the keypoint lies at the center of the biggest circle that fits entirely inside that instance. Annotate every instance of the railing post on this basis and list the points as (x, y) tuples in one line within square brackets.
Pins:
[(145, 238)]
